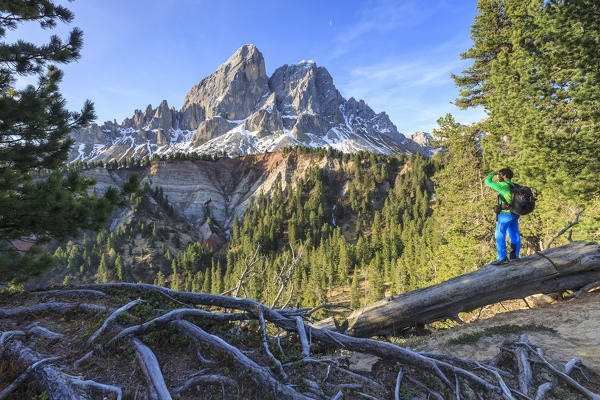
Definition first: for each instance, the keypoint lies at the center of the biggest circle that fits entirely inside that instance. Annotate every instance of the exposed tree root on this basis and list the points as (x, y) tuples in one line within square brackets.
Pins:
[(43, 332), (51, 306), (57, 384), (570, 381), (8, 390), (151, 369), (274, 359), (178, 314), (204, 380), (72, 292), (261, 375), (513, 374), (112, 318)]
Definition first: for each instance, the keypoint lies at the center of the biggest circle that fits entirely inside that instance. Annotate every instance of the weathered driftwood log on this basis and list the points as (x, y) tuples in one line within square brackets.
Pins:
[(567, 267)]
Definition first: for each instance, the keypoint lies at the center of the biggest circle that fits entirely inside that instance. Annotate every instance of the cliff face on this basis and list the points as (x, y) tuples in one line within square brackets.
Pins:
[(240, 110), (209, 194)]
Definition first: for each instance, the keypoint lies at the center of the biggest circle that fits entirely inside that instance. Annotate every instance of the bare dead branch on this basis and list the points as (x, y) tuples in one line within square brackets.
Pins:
[(570, 381), (243, 279), (83, 359), (44, 332), (457, 390), (202, 359), (359, 376), (51, 306), (260, 375), (98, 387), (398, 384), (431, 392), (300, 327), (505, 390), (57, 384), (338, 396), (204, 380), (572, 364), (5, 336), (263, 327), (468, 364), (566, 228), (525, 375), (112, 318), (149, 365), (71, 292), (544, 388), (178, 314), (587, 288), (285, 276)]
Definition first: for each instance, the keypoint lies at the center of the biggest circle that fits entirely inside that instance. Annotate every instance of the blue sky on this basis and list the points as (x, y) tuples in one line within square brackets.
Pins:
[(396, 55)]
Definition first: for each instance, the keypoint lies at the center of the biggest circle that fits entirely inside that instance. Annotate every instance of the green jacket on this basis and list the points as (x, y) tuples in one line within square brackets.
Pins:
[(502, 188)]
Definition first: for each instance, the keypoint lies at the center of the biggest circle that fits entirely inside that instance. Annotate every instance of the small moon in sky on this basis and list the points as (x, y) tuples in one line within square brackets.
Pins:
[(330, 23)]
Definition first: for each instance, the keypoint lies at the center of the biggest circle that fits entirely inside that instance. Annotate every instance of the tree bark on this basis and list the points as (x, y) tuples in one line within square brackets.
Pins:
[(567, 267)]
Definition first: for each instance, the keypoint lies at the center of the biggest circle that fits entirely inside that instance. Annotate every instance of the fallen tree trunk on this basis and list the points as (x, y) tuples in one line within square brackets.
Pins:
[(567, 267)]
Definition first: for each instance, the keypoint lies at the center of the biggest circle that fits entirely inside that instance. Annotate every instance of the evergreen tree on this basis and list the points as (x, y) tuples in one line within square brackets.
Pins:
[(160, 280), (535, 70), (355, 291), (206, 285), (120, 268), (103, 271), (176, 283), (197, 282), (463, 218), (37, 198), (376, 288)]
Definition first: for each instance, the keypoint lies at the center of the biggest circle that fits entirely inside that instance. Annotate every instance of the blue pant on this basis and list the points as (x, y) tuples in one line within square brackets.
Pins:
[(507, 222)]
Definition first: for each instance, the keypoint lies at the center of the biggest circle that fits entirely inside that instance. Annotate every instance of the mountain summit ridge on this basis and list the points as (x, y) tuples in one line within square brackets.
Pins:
[(240, 110)]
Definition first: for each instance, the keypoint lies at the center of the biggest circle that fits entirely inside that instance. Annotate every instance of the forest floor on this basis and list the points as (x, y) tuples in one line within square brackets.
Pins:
[(564, 329), (573, 331)]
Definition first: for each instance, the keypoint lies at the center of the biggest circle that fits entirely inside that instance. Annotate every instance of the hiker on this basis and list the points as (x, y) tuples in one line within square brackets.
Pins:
[(506, 220)]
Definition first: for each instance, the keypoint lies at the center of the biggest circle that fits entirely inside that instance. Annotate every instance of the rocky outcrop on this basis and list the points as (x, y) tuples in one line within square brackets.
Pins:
[(218, 190), (240, 110)]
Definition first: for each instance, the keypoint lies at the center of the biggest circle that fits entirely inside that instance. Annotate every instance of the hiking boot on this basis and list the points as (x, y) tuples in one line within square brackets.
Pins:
[(500, 262), (513, 254)]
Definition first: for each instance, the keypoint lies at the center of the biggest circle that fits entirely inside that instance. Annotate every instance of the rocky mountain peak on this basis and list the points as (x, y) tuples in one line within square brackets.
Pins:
[(422, 138), (304, 88), (234, 89), (240, 110)]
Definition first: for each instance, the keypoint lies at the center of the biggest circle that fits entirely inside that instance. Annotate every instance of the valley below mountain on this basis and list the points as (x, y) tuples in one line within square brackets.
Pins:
[(210, 194)]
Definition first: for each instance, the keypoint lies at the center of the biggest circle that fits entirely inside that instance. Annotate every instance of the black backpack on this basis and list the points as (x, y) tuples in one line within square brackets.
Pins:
[(523, 200)]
